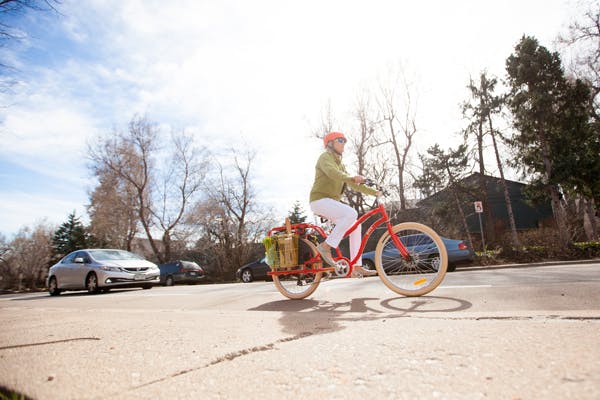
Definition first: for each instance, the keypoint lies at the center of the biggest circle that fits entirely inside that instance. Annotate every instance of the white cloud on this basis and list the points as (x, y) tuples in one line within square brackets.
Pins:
[(50, 141), (20, 209), (259, 70)]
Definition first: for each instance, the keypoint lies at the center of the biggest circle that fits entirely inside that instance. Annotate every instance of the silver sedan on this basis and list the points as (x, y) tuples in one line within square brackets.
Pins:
[(97, 270)]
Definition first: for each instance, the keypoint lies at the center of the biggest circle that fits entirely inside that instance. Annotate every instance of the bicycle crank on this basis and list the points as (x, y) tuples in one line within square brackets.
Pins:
[(342, 267)]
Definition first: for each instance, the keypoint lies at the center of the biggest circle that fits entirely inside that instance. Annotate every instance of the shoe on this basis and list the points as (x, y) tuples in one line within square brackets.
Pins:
[(325, 254), (359, 272)]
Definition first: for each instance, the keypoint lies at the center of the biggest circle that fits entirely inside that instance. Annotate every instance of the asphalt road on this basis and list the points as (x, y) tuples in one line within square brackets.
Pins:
[(501, 333)]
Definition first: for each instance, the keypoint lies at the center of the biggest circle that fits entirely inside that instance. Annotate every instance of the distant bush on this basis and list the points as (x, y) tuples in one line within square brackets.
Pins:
[(538, 245), (587, 249)]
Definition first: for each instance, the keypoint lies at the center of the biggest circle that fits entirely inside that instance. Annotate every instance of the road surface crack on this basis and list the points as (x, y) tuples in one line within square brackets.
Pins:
[(17, 346), (228, 357)]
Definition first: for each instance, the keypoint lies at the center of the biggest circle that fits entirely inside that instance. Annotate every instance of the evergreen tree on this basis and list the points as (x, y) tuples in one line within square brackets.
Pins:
[(70, 236), (480, 111), (552, 119), (296, 215), (449, 168)]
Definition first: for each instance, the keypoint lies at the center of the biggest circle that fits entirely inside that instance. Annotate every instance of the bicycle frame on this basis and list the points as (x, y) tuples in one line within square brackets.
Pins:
[(383, 219)]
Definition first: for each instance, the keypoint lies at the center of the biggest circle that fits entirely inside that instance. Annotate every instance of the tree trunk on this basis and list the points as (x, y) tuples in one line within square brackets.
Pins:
[(462, 217), (488, 225), (509, 209), (592, 217), (559, 216), (146, 226), (557, 209), (167, 246)]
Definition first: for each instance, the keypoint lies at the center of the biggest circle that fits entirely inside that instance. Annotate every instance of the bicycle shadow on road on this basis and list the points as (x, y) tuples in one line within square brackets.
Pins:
[(321, 316)]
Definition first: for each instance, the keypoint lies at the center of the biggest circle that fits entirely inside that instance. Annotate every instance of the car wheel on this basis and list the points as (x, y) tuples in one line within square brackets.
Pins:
[(368, 264), (146, 287), (169, 281), (435, 261), (247, 276), (91, 283), (53, 287), (451, 268)]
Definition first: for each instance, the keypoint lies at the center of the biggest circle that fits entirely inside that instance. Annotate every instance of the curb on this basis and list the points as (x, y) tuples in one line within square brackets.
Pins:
[(525, 265)]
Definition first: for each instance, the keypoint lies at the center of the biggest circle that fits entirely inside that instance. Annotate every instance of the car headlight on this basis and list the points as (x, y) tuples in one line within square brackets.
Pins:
[(107, 268)]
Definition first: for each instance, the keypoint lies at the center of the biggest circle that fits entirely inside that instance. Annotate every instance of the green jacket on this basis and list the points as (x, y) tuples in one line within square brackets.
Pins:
[(330, 178)]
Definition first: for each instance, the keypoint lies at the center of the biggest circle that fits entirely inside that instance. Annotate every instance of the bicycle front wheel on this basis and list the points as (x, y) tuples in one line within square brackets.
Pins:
[(419, 273), (303, 283)]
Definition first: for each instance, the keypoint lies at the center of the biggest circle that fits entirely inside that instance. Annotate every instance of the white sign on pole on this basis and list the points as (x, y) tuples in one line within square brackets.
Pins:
[(478, 206)]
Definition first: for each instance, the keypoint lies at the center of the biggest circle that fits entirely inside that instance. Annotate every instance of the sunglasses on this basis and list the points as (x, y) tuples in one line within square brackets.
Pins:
[(341, 140)]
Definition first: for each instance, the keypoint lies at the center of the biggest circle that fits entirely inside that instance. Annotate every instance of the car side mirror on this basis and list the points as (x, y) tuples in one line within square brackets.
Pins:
[(79, 260)]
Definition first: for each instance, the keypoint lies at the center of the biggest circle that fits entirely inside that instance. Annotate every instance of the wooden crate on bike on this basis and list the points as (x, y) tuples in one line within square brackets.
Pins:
[(281, 249), (287, 248)]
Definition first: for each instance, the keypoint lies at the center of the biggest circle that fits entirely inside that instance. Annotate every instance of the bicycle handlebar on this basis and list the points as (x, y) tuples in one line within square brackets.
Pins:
[(372, 183)]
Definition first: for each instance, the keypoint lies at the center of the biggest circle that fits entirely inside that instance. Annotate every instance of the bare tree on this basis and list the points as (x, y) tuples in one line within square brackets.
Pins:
[(230, 219), (584, 39), (364, 144), (181, 182), (11, 8), (8, 33), (114, 220), (398, 110), (327, 122), (5, 272), (131, 156), (30, 254)]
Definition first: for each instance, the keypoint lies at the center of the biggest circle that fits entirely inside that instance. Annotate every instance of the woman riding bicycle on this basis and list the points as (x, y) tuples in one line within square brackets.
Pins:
[(330, 180)]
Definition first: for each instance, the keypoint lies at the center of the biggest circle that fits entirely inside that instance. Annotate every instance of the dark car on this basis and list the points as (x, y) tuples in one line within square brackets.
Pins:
[(255, 270), (181, 272), (458, 251)]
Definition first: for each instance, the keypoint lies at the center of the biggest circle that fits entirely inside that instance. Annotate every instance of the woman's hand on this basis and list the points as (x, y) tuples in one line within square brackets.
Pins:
[(358, 179)]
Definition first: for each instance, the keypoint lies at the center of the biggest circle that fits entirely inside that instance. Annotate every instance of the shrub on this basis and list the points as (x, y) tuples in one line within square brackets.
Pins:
[(587, 249)]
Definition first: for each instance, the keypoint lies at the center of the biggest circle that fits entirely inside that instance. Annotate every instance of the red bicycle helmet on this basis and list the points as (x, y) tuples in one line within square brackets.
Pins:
[(332, 136)]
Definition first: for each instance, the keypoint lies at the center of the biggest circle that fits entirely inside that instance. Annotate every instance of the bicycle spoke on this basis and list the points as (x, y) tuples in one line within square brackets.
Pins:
[(424, 267), (299, 286)]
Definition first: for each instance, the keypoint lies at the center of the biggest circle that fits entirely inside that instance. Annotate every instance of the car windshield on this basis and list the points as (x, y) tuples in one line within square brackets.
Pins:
[(105, 255), (190, 265)]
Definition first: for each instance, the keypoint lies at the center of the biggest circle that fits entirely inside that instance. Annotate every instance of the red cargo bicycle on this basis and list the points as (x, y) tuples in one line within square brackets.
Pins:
[(410, 258)]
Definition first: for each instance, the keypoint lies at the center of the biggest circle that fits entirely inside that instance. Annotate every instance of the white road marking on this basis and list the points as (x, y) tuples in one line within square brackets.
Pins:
[(464, 286)]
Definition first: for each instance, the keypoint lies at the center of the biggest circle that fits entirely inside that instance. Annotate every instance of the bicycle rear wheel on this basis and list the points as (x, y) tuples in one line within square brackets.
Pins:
[(423, 271), (302, 284)]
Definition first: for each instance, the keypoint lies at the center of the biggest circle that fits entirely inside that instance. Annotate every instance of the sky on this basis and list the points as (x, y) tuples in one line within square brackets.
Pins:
[(235, 74)]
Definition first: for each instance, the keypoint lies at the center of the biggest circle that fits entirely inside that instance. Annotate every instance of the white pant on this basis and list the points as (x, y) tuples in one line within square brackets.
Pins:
[(343, 216)]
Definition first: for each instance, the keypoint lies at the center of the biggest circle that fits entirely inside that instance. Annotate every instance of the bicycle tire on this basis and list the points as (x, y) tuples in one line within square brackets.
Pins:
[(300, 286), (427, 265)]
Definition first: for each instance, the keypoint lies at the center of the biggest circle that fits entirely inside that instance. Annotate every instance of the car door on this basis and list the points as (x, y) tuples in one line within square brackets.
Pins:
[(262, 268), (166, 270), (80, 269), (65, 271)]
